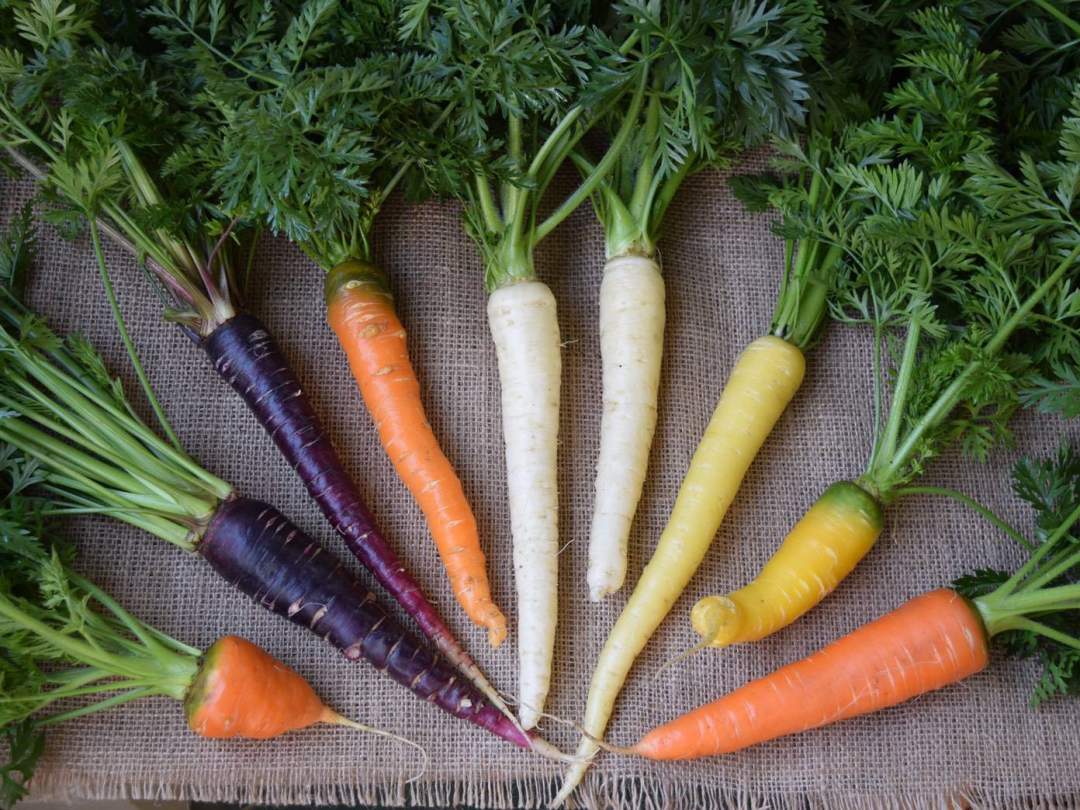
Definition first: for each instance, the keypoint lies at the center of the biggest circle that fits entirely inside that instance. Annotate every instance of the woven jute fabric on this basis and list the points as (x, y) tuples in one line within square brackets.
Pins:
[(977, 742)]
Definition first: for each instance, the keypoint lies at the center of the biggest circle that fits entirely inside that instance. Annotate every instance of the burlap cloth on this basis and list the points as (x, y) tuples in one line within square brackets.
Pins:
[(977, 741)]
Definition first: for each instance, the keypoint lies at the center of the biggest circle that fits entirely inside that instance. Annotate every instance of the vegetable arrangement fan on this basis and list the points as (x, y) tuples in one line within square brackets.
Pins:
[(922, 173)]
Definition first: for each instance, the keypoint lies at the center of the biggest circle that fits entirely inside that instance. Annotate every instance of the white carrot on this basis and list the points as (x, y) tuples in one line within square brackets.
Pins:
[(526, 334), (698, 108), (631, 345)]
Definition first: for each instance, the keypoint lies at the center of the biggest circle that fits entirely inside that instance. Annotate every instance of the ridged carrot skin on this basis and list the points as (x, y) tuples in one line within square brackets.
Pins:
[(823, 547), (243, 691), (360, 309), (932, 641), (264, 555), (248, 358), (762, 383)]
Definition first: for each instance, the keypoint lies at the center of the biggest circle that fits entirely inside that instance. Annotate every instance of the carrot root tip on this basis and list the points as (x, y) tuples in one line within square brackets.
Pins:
[(332, 717), (600, 744), (496, 627)]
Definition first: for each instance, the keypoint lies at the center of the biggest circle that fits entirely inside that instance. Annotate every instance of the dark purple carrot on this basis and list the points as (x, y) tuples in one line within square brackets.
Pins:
[(263, 554), (64, 412)]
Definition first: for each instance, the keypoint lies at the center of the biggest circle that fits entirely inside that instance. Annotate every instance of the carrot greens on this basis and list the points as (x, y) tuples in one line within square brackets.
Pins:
[(965, 274), (1035, 611), (116, 135), (723, 77)]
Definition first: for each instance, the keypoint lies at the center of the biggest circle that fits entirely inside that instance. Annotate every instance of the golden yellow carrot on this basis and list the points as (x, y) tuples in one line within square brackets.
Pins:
[(822, 549)]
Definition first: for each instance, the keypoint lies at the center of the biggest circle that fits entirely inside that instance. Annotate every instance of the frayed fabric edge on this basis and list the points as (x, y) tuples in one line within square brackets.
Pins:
[(601, 792)]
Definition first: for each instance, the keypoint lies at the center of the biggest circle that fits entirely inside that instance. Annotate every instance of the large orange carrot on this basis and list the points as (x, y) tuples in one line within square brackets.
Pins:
[(243, 691), (934, 640), (360, 309)]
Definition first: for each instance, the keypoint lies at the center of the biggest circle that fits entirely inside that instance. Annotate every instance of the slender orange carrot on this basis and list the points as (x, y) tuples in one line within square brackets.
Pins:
[(243, 691), (934, 640), (360, 310)]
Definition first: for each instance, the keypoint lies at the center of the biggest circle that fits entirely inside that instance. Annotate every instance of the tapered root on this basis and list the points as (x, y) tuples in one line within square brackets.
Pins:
[(613, 749), (332, 717)]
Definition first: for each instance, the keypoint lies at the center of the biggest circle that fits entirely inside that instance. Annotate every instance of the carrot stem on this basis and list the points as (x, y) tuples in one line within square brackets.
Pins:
[(125, 336), (972, 504)]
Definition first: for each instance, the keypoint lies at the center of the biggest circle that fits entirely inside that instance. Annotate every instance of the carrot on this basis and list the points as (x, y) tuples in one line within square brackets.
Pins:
[(766, 376), (822, 548), (243, 691), (360, 309), (931, 388), (67, 414), (934, 640), (100, 655)]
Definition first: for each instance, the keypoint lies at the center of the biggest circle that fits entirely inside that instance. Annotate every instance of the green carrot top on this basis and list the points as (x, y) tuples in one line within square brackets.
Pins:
[(964, 271), (67, 420), (312, 115), (99, 124), (62, 638), (531, 79), (723, 77), (1034, 612)]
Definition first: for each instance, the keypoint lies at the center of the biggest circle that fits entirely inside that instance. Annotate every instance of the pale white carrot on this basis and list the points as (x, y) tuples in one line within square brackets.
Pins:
[(631, 345), (526, 334)]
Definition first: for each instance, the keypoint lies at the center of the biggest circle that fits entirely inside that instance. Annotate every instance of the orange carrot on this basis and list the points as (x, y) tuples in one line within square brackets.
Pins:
[(934, 640), (360, 309), (243, 691)]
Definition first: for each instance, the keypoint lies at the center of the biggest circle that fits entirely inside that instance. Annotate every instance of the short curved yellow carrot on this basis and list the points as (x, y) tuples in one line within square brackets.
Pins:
[(822, 548), (765, 378)]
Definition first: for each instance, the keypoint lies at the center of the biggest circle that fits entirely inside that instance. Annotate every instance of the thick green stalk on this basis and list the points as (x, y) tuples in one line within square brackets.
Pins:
[(889, 438), (603, 167), (646, 169), (1033, 562), (83, 652), (150, 637), (104, 705)]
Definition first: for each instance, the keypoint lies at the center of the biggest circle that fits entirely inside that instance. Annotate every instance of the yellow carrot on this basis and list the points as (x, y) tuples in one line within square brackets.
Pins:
[(822, 549), (765, 378)]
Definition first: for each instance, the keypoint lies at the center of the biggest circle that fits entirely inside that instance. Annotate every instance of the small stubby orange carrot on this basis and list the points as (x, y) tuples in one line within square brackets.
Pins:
[(934, 640), (360, 309), (243, 691)]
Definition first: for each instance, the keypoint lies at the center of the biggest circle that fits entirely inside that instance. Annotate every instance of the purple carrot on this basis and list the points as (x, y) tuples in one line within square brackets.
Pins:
[(248, 358), (261, 552)]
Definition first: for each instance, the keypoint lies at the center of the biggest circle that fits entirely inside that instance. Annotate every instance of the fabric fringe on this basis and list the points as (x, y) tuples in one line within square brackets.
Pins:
[(616, 792), (600, 792)]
